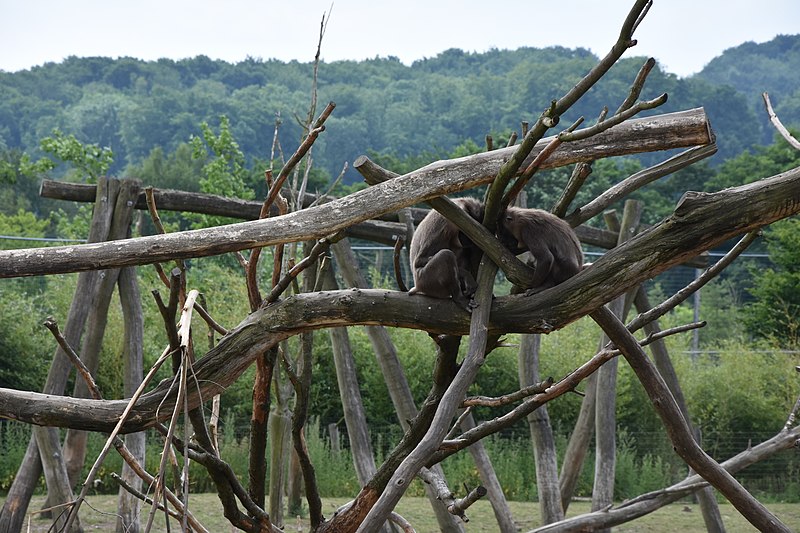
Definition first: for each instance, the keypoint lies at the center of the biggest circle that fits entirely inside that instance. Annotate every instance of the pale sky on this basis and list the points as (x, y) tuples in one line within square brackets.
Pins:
[(683, 35)]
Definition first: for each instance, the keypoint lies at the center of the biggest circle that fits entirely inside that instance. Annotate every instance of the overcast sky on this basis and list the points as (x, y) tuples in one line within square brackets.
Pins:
[(683, 35)]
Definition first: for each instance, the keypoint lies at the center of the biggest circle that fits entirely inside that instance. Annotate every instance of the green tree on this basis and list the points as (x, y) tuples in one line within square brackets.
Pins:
[(775, 313), (90, 161), (224, 171)]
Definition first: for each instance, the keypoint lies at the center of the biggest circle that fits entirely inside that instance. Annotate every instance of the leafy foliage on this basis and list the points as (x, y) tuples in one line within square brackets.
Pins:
[(776, 311), (89, 160)]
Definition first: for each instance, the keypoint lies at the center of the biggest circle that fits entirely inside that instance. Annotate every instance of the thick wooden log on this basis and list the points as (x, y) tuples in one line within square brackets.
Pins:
[(212, 204), (660, 132), (701, 221)]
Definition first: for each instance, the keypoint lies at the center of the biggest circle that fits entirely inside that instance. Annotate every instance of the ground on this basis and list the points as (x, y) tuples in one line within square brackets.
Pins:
[(684, 517)]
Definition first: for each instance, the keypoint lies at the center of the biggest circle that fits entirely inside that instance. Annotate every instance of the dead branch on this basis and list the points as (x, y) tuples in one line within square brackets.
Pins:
[(516, 396), (649, 502), (638, 180), (678, 430), (672, 130), (778, 124), (51, 324), (701, 221), (569, 135), (455, 506), (202, 203), (319, 248)]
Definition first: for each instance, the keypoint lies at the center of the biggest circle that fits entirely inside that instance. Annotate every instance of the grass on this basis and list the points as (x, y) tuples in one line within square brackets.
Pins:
[(98, 515)]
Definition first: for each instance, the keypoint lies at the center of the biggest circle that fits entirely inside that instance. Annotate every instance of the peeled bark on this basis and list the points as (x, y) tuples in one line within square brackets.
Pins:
[(659, 132), (129, 506), (19, 495), (605, 425), (544, 446)]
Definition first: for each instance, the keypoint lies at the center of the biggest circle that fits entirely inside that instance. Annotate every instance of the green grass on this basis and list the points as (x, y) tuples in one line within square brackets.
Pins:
[(98, 515)]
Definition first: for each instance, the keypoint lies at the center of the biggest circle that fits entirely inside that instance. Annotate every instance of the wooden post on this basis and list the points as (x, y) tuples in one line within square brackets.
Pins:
[(19, 495)]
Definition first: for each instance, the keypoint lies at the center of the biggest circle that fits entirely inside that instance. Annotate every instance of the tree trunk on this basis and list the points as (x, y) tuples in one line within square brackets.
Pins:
[(294, 487), (708, 502), (494, 491), (280, 447), (605, 409), (544, 446), (75, 441), (129, 506), (19, 495), (58, 487), (354, 416), (395, 377)]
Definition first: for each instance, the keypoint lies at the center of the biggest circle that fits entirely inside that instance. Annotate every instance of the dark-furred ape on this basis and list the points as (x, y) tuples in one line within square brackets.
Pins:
[(550, 240), (443, 258)]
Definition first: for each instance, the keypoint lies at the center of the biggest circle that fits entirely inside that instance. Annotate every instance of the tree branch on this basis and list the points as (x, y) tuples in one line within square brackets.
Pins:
[(678, 430), (701, 221), (688, 128)]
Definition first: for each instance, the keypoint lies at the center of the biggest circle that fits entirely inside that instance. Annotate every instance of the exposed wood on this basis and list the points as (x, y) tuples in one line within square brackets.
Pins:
[(660, 132), (678, 430), (605, 422), (212, 204), (394, 376), (661, 358), (701, 221), (544, 446), (788, 137)]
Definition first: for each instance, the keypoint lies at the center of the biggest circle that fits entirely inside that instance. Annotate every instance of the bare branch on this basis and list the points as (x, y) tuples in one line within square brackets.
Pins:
[(51, 324), (778, 124), (516, 396), (674, 130), (638, 180), (678, 430)]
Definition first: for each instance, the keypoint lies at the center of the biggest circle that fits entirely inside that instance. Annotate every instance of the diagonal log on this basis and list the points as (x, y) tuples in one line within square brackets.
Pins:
[(701, 221), (660, 132)]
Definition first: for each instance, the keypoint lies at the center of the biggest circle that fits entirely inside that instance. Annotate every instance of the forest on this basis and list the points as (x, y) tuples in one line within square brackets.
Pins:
[(211, 127)]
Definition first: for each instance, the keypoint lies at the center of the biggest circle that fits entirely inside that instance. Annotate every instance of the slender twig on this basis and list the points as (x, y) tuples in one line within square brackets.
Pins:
[(583, 169), (773, 118), (213, 324), (457, 424), (567, 384), (531, 169), (299, 153), (101, 457), (506, 399), (319, 248), (706, 276), (51, 324)]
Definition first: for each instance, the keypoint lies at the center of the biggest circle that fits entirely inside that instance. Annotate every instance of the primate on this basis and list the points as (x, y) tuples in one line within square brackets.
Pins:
[(551, 241), (443, 258)]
